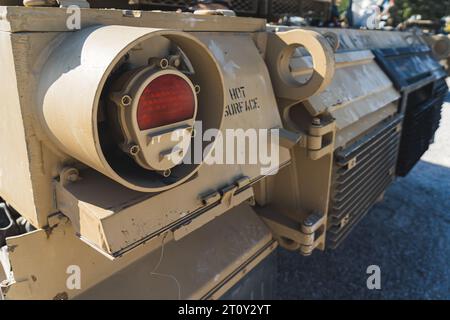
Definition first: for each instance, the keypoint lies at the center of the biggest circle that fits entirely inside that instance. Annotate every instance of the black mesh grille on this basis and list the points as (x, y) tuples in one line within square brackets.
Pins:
[(315, 9), (302, 8), (241, 7), (165, 4), (281, 7), (361, 174), (421, 122), (245, 7), (174, 3), (419, 76)]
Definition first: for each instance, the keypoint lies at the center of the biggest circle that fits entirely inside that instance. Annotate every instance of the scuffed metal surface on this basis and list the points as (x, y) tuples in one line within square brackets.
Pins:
[(359, 89), (396, 236)]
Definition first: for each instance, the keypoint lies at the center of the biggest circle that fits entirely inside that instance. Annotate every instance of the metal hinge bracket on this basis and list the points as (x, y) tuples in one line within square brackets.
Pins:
[(320, 138), (294, 235), (220, 202)]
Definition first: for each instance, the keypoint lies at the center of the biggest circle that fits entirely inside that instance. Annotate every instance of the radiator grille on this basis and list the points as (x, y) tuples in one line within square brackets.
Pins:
[(314, 9), (361, 174), (241, 7), (281, 7), (420, 125), (302, 8), (245, 7), (166, 3)]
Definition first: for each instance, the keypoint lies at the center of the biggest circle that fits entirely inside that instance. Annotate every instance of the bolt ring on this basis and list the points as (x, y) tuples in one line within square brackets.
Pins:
[(175, 61), (167, 173), (126, 100), (134, 150), (164, 63)]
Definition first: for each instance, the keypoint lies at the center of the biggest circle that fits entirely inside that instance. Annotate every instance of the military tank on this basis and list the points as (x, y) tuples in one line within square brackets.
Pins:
[(167, 155)]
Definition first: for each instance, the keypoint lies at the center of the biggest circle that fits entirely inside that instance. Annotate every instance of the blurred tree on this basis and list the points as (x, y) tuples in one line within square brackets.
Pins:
[(343, 5), (430, 10)]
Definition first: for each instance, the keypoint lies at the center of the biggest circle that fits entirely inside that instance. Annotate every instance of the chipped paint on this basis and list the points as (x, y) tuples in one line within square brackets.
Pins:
[(228, 66)]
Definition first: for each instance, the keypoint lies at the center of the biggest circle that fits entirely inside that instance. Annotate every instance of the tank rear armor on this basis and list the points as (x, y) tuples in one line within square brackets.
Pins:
[(166, 155)]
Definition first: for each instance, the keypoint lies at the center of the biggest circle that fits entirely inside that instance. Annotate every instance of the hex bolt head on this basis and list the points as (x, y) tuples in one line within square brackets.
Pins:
[(134, 150), (165, 173), (164, 63), (69, 175), (308, 223), (72, 177), (316, 121), (175, 61), (126, 100)]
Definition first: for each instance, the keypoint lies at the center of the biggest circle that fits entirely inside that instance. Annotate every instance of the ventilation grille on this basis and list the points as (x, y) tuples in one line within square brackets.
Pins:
[(241, 7), (166, 3), (420, 125), (302, 8), (281, 7), (314, 9), (245, 7), (361, 174)]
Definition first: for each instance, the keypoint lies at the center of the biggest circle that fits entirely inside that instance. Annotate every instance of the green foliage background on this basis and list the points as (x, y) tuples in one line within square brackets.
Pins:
[(429, 9)]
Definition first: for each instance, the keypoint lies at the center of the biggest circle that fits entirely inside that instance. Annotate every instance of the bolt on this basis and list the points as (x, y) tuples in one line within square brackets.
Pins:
[(316, 122), (126, 100), (72, 175), (69, 175), (134, 150), (164, 63), (197, 89), (165, 173), (308, 223), (175, 61)]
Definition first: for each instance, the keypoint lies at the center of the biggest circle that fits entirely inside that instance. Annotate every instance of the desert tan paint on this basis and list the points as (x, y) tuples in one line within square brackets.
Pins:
[(15, 171), (208, 261), (440, 44), (355, 108), (30, 52), (355, 39), (126, 220), (283, 193), (54, 20), (70, 114), (26, 55), (302, 190), (280, 49)]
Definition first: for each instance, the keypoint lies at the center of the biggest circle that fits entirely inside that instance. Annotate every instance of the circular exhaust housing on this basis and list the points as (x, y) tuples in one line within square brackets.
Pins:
[(73, 93)]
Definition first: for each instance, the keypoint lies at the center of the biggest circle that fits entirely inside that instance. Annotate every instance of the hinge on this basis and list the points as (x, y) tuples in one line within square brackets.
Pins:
[(217, 203), (320, 138), (305, 236), (210, 198)]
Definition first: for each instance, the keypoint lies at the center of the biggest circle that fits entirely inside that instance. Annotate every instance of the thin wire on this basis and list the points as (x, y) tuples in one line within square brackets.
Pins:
[(161, 257)]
